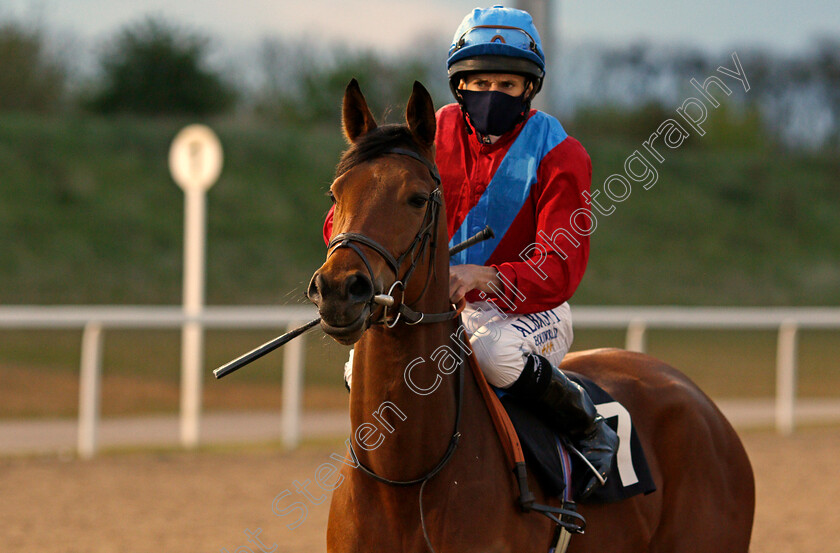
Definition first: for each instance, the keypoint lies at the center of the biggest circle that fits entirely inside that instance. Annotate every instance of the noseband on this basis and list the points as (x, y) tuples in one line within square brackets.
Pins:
[(425, 237)]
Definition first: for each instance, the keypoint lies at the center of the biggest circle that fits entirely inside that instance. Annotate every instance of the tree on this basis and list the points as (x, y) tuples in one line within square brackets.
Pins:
[(827, 61), (29, 79), (153, 67), (304, 84)]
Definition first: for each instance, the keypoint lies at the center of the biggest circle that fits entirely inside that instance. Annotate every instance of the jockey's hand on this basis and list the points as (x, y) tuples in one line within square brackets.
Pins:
[(464, 278)]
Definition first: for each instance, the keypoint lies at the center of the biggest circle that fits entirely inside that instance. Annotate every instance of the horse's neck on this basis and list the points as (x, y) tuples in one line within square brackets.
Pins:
[(413, 426)]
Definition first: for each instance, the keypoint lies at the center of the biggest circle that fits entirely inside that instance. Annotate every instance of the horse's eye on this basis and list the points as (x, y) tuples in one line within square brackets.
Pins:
[(330, 196), (418, 200)]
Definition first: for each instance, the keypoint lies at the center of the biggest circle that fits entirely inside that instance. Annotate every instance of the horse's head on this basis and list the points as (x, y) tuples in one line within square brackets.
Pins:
[(387, 205)]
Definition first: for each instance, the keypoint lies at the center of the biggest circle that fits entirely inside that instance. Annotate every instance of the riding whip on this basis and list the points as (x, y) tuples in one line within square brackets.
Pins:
[(267, 347), (484, 234), (383, 299)]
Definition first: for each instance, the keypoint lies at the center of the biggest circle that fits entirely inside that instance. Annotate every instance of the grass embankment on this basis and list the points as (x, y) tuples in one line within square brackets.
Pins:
[(89, 214)]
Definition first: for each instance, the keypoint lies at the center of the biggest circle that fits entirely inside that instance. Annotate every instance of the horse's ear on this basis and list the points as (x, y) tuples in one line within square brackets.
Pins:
[(355, 115), (420, 115)]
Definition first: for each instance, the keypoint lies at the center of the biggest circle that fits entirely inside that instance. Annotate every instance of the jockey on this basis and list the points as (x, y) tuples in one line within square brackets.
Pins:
[(514, 168)]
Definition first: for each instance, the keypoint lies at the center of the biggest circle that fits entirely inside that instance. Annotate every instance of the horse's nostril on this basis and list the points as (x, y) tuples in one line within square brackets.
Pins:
[(314, 290), (359, 288)]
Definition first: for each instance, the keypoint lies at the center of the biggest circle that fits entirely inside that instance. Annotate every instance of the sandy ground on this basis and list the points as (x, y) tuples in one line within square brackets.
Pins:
[(168, 502)]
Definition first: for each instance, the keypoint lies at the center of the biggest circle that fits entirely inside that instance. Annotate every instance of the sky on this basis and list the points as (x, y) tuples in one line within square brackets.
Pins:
[(712, 25)]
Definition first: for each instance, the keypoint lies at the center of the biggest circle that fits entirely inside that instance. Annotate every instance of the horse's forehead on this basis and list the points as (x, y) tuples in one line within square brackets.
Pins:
[(381, 176)]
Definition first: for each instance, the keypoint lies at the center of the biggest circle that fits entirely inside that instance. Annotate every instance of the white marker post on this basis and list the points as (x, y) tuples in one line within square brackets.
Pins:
[(195, 161)]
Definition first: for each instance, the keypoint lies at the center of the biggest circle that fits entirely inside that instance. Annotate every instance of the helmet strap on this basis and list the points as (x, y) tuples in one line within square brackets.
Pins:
[(458, 98)]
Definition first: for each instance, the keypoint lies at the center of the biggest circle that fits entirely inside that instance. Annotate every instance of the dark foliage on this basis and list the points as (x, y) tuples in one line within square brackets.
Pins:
[(155, 68), (29, 79), (303, 82)]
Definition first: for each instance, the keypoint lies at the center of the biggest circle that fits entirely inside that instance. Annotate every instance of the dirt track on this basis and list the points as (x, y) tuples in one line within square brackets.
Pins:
[(174, 502)]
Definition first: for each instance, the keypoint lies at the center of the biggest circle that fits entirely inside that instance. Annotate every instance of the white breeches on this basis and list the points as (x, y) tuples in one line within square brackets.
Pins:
[(502, 341)]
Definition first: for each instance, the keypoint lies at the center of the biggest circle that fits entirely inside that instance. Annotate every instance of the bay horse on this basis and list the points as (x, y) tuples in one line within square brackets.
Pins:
[(459, 496)]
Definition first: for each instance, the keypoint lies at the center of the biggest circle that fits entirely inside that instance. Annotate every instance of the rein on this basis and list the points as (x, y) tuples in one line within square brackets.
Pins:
[(425, 237), (447, 456), (450, 450)]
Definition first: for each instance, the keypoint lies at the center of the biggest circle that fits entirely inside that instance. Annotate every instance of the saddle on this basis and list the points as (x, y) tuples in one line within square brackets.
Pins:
[(530, 442)]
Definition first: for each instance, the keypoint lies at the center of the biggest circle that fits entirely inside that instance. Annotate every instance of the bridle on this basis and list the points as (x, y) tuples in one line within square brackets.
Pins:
[(426, 237)]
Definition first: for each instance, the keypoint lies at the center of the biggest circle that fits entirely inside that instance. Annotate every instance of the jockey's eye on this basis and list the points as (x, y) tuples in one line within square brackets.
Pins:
[(418, 200)]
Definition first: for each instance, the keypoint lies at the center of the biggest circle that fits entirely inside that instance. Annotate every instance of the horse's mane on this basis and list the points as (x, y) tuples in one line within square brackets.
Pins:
[(376, 143)]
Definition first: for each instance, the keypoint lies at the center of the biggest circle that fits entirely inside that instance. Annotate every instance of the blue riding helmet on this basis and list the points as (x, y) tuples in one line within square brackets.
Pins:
[(499, 40)]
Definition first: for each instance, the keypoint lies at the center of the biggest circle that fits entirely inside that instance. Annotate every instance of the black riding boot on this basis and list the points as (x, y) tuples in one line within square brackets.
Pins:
[(570, 410)]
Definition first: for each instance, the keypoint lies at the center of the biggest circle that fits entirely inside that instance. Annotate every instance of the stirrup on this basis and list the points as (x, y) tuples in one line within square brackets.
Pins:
[(602, 479)]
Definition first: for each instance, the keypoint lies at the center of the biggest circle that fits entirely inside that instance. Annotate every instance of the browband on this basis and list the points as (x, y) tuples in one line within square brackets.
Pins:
[(410, 153)]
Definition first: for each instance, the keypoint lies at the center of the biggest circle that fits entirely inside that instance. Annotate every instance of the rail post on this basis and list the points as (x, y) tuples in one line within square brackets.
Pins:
[(786, 377), (195, 161), (293, 357), (89, 389), (636, 336)]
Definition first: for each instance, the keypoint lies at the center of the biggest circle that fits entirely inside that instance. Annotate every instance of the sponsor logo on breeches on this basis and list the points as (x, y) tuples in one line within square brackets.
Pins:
[(545, 336), (528, 324)]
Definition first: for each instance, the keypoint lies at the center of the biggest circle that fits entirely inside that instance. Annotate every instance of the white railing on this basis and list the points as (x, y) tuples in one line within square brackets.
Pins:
[(637, 320), (92, 321), (788, 321)]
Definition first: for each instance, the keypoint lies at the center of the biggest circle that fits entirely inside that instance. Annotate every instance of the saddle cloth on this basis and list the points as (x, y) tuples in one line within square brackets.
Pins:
[(548, 458)]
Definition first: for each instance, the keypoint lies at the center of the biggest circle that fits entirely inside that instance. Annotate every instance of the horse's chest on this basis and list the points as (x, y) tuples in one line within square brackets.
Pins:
[(460, 514)]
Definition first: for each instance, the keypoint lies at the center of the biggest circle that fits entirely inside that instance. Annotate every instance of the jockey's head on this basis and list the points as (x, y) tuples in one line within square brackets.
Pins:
[(496, 67)]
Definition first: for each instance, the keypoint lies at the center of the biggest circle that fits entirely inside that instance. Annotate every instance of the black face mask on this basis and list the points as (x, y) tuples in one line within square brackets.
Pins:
[(493, 112)]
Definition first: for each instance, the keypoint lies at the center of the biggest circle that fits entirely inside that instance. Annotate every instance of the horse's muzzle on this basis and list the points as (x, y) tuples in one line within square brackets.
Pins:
[(344, 304)]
